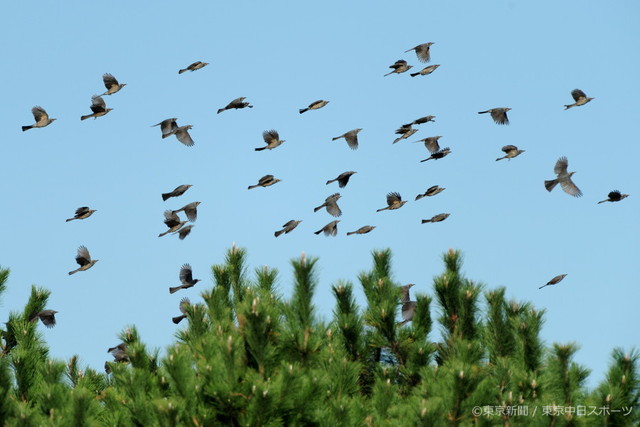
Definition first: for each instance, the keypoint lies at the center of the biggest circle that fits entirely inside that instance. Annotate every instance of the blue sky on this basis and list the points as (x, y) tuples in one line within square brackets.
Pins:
[(283, 56)]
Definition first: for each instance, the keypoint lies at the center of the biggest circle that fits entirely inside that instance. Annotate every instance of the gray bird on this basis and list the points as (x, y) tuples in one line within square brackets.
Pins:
[(553, 281), (331, 203), (330, 229), (438, 154), (182, 133), (408, 307), (184, 231), (190, 210), (431, 191), (394, 201), (41, 117), (580, 97), (84, 260), (315, 105), (184, 304), (172, 220), (287, 227), (425, 71), (511, 151), (422, 51), (422, 120), (168, 127), (186, 278), (362, 230), (48, 317), (351, 137), (399, 67), (178, 191), (236, 104), (272, 139), (195, 66), (342, 179), (98, 107), (405, 131), (499, 115), (119, 353), (436, 218), (564, 178), (431, 143), (111, 84), (265, 181), (82, 213), (614, 196)]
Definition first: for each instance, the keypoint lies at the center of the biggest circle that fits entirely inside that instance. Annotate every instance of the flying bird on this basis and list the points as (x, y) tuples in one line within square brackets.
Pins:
[(236, 104), (431, 191), (351, 137), (330, 229), (399, 67), (408, 307), (564, 178), (499, 115), (48, 317), (98, 107), (272, 139), (394, 201), (186, 278), (510, 151), (315, 105), (184, 304), (182, 133), (195, 66), (580, 97), (119, 353), (84, 260), (422, 51), (405, 131), (331, 203), (436, 218), (431, 143), (553, 281), (178, 191), (362, 230), (41, 117), (168, 127), (172, 220), (82, 213), (190, 210), (265, 181), (426, 70), (184, 231), (422, 120), (342, 179), (287, 227), (614, 196), (111, 84), (438, 154)]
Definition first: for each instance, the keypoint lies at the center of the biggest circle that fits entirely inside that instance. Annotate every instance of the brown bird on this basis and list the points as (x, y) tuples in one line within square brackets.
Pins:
[(614, 196), (351, 137), (315, 105), (580, 97), (48, 317), (195, 66), (438, 154), (265, 181), (190, 210), (84, 260), (422, 120), (236, 104), (41, 117), (564, 178), (182, 133), (408, 306), (399, 67), (186, 278), (172, 220), (330, 229), (511, 151), (431, 143), (331, 203), (287, 227), (184, 231), (405, 131), (82, 213), (342, 179), (436, 218), (425, 71), (184, 304), (362, 230), (178, 191), (272, 139), (422, 51), (168, 127), (98, 107), (111, 84), (553, 281), (431, 191), (119, 353), (499, 115), (394, 201)]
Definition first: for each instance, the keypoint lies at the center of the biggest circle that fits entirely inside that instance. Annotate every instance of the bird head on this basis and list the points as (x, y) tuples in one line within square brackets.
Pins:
[(196, 281), (53, 120), (358, 130), (507, 109), (571, 173), (107, 110)]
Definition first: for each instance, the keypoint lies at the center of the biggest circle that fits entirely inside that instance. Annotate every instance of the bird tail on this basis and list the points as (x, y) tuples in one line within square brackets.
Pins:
[(350, 233), (550, 184), (174, 290), (482, 112), (86, 117), (566, 107), (419, 196), (26, 128), (221, 110), (317, 232), (543, 286), (425, 221), (414, 74), (277, 233), (388, 74), (183, 70), (337, 137), (252, 186), (178, 319), (165, 196), (303, 110), (73, 272), (500, 158), (318, 208), (330, 181), (70, 219), (602, 201), (260, 148), (383, 209), (164, 234), (429, 158)]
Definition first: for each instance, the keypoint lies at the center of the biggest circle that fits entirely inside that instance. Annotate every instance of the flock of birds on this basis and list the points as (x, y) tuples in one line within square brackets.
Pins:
[(176, 225)]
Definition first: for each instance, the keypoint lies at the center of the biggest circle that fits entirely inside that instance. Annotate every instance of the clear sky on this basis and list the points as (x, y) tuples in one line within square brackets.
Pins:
[(282, 56)]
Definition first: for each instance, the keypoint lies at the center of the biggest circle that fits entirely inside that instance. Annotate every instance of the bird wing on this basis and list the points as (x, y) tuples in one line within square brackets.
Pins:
[(109, 81), (508, 148), (570, 188), (265, 179), (422, 51), (39, 114), (432, 144), (615, 195), (182, 133), (499, 115), (83, 258), (186, 274), (393, 198), (333, 208), (184, 303), (82, 210), (352, 139), (270, 135), (561, 166), (577, 94), (171, 218), (97, 104)]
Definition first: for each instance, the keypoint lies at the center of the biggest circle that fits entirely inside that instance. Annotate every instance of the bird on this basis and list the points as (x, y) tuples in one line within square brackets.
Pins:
[(553, 281), (237, 104), (167, 126), (422, 51), (580, 97), (82, 213), (272, 139), (314, 105), (511, 151), (84, 260), (431, 143), (111, 84), (408, 307), (184, 304), (399, 67), (331, 204), (362, 230), (426, 70), (351, 137), (394, 201), (564, 178), (265, 181), (184, 231), (172, 220), (195, 66), (119, 353), (190, 210), (186, 278), (438, 154), (436, 218), (343, 179), (41, 117), (330, 229), (98, 107), (48, 317), (182, 133), (499, 115), (178, 191), (287, 227), (405, 131), (431, 191), (422, 120), (614, 196)]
